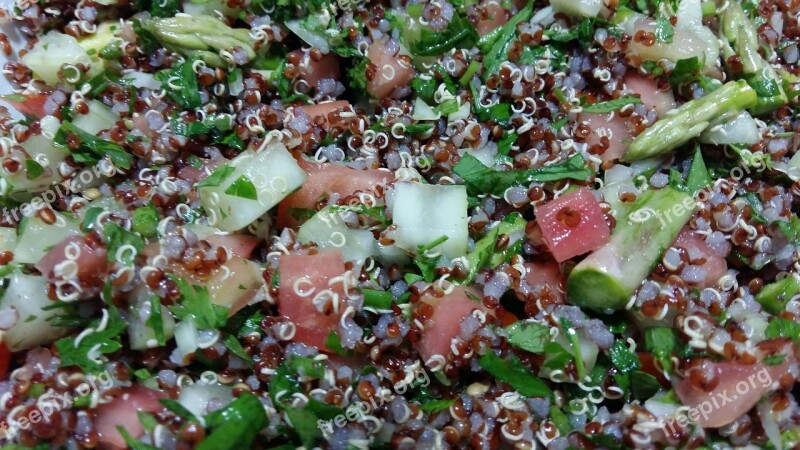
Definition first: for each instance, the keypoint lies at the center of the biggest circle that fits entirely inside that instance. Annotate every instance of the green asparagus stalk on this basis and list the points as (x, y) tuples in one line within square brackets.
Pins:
[(200, 37), (608, 277), (774, 296), (690, 119), (739, 38)]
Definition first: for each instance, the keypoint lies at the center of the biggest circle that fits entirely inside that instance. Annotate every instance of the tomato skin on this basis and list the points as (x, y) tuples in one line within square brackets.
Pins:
[(496, 17), (326, 179), (5, 359), (323, 109), (123, 411), (542, 279), (33, 105), (715, 266), (91, 263), (312, 71), (390, 73), (445, 322), (313, 327), (572, 224)]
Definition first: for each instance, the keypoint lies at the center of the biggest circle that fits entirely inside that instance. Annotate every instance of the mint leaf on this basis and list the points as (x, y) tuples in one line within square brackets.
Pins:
[(243, 188), (612, 105)]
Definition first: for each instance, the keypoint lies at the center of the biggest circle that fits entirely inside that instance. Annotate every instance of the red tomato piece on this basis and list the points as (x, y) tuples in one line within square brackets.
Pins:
[(325, 179), (122, 411), (617, 129), (91, 262), (240, 245), (390, 72), (312, 71), (652, 97), (738, 389), (324, 109), (714, 266), (572, 224), (32, 105), (302, 277), (445, 323), (496, 17), (543, 279)]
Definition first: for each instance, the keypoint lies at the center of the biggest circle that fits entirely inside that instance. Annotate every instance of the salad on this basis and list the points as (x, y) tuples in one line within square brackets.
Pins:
[(232, 224)]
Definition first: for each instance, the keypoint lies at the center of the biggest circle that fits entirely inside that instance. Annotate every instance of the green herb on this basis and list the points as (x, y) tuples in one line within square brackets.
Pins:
[(235, 347), (779, 327), (698, 178), (112, 51), (574, 342), (624, 359), (528, 336), (560, 420), (180, 84), (178, 409), (505, 143), (304, 425), (87, 352), (164, 8), (481, 179), (557, 356), (686, 70), (131, 442), (243, 188), (333, 343), (156, 321), (427, 264), (662, 342), (217, 177), (435, 406), (196, 304), (147, 420), (774, 360), (643, 385), (790, 228), (425, 88), (486, 254), (434, 43), (91, 149), (512, 372), (357, 75), (377, 299), (236, 425), (612, 105), (145, 221), (116, 237), (664, 31), (498, 53), (33, 169), (756, 207)]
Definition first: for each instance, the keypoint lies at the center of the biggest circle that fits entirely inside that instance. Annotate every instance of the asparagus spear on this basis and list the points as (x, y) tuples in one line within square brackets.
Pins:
[(609, 276), (690, 119), (774, 296), (202, 37), (739, 38)]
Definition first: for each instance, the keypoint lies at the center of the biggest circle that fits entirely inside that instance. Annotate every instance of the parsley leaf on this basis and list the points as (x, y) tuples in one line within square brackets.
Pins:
[(482, 179), (664, 31), (426, 264), (512, 372), (156, 321), (625, 360), (779, 327), (236, 425), (33, 169), (528, 336), (243, 188), (498, 53), (117, 237), (698, 178), (184, 79), (92, 148), (434, 43), (145, 220), (87, 352), (196, 304), (217, 177)]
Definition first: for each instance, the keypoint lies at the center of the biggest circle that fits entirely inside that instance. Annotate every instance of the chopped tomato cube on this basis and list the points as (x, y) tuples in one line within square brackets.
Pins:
[(572, 224)]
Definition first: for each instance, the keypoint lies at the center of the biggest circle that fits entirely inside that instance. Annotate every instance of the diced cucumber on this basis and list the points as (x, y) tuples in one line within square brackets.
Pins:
[(327, 229), (141, 334), (42, 154), (236, 285), (424, 213), (99, 39), (774, 296), (8, 239), (100, 117), (28, 295), (200, 398), (36, 237), (52, 51), (583, 8), (239, 192)]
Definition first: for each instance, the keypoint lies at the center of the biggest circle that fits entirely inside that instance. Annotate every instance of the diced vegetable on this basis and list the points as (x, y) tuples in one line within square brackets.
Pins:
[(304, 278), (37, 237), (444, 324), (582, 8), (652, 97), (774, 296), (741, 130), (53, 51), (100, 117), (40, 168), (691, 119), (543, 280), (617, 129), (27, 294), (202, 398), (572, 224), (322, 110), (607, 278), (424, 213), (123, 411), (8, 239), (742, 40), (325, 181), (142, 332), (391, 72), (239, 192), (91, 259), (327, 229), (695, 245), (496, 17)]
